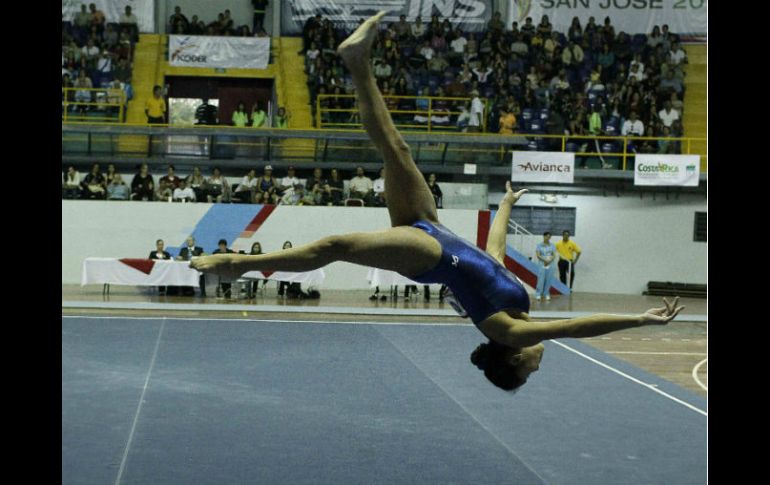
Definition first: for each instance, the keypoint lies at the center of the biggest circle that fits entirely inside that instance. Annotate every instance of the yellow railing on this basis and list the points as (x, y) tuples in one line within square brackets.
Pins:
[(428, 113), (101, 99)]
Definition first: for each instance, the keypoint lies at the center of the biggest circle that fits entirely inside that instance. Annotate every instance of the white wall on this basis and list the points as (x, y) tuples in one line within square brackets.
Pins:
[(628, 241)]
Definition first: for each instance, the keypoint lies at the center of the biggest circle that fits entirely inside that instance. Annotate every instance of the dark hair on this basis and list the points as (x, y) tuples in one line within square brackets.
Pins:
[(222, 241), (489, 357), (546, 233)]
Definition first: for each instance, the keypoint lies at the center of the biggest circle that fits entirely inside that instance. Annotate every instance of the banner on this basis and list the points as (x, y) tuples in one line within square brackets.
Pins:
[(555, 167), (470, 15), (226, 52), (113, 9), (682, 170), (686, 17), (138, 272)]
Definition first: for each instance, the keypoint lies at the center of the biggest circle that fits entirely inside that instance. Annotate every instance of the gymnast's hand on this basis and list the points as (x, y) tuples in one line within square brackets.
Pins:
[(663, 315), (220, 264), (512, 197)]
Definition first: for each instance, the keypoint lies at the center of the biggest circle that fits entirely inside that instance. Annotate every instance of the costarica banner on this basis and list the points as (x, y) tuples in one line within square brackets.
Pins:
[(684, 17), (555, 167), (224, 52), (113, 9), (470, 15), (680, 170)]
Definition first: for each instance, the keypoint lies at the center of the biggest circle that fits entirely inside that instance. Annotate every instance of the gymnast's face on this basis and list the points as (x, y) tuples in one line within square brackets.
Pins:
[(528, 360)]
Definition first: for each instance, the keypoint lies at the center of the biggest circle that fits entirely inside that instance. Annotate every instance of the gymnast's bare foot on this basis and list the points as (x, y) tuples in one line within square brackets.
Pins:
[(357, 47)]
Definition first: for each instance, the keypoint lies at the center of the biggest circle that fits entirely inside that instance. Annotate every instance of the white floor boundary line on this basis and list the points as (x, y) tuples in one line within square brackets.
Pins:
[(141, 402), (483, 426), (634, 352), (633, 379), (695, 374), (329, 309)]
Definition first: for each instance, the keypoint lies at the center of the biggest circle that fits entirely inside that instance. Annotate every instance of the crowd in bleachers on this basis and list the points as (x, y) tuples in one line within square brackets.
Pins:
[(97, 54), (315, 190), (223, 25), (587, 81)]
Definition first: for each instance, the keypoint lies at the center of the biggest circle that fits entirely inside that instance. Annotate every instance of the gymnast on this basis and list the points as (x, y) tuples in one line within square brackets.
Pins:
[(420, 248)]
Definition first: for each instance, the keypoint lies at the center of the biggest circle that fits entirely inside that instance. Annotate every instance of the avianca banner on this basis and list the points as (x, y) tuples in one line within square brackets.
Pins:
[(113, 9), (681, 170), (225, 52), (470, 15), (555, 167), (629, 16)]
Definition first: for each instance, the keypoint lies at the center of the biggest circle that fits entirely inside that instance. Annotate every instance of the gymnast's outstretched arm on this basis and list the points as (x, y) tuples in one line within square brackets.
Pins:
[(519, 333), (496, 240)]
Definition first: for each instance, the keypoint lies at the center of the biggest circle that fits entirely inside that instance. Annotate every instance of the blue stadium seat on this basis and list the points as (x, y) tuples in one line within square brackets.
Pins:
[(526, 114), (544, 114), (609, 147), (532, 145), (571, 146), (610, 129), (536, 126)]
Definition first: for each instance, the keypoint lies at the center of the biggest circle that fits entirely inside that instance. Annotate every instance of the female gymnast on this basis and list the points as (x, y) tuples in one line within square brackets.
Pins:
[(420, 248)]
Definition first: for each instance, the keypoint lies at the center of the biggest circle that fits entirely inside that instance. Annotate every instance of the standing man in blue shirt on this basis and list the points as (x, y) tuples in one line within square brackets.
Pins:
[(546, 253)]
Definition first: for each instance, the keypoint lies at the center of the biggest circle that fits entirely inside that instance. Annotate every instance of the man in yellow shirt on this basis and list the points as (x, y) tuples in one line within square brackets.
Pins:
[(569, 253), (507, 121), (155, 107)]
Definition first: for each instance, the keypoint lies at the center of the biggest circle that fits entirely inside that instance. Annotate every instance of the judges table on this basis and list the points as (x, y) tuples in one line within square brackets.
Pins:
[(158, 272)]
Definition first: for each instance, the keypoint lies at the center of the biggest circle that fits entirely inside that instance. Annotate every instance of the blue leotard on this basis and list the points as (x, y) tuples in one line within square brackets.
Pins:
[(480, 284)]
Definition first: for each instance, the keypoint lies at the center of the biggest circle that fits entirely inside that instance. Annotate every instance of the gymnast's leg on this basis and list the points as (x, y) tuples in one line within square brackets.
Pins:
[(407, 194), (406, 250)]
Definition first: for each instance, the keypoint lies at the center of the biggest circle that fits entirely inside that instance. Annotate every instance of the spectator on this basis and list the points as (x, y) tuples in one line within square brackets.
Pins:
[(206, 114), (167, 184), (336, 187), (160, 253), (528, 29), (189, 251), (82, 21), (155, 107), (296, 195), (110, 38), (117, 189), (197, 183), (178, 17), (382, 70), (246, 190), (545, 253), (668, 114), (360, 185), (632, 126), (670, 84), (97, 18), (677, 103), (464, 117), (418, 29), (90, 52), (128, 20), (240, 117), (377, 196), (93, 184), (183, 193), (544, 28), (217, 187), (259, 13), (122, 70), (569, 253), (71, 184), (83, 91), (115, 96), (677, 55), (318, 189), (575, 32), (110, 174), (519, 47), (507, 121), (402, 28), (477, 113), (197, 27), (573, 56), (435, 190), (292, 290), (595, 121), (290, 180), (256, 248), (267, 188), (281, 119), (142, 186), (224, 288)]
